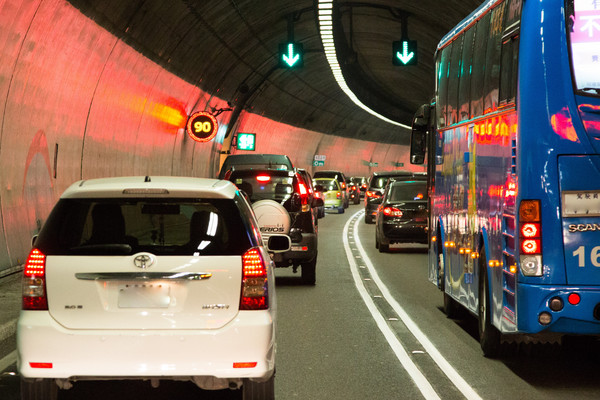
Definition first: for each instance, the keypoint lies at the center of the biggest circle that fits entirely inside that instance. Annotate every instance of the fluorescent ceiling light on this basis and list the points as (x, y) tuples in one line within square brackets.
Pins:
[(325, 27)]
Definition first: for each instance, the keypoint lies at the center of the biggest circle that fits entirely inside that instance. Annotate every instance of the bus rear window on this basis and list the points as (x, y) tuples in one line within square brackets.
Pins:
[(583, 27)]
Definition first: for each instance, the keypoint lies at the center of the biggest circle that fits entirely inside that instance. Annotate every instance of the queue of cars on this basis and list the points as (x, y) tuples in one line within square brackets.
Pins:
[(183, 266)]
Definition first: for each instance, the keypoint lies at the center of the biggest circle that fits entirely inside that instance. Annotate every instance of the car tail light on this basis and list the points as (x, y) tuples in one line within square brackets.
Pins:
[(353, 187), (227, 174), (392, 212), (303, 194), (364, 186), (263, 178), (255, 294), (34, 282), (343, 185), (338, 195), (530, 235), (373, 194)]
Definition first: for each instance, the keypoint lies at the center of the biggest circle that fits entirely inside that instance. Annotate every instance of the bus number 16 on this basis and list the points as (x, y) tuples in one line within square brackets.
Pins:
[(595, 256)]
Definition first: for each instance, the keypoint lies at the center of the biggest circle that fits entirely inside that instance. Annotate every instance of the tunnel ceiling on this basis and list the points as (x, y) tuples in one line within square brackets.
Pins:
[(229, 49)]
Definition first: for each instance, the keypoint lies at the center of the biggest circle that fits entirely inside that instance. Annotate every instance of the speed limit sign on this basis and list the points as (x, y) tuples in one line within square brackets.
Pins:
[(202, 126)]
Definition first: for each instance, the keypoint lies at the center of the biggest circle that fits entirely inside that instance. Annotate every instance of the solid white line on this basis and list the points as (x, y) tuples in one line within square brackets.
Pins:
[(7, 361), (422, 383), (434, 353)]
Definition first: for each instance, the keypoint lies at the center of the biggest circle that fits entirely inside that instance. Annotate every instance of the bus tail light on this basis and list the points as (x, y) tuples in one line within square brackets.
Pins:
[(530, 238), (255, 294), (34, 282)]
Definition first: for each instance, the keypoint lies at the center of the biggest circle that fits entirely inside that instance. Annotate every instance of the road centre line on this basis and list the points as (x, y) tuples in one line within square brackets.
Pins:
[(417, 376), (433, 352)]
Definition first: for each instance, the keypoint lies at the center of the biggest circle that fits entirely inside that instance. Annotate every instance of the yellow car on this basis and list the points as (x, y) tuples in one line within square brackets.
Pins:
[(333, 195)]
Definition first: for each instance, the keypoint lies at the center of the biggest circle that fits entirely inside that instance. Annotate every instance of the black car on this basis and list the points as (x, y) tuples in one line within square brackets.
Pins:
[(319, 212), (402, 214), (375, 190), (289, 192), (353, 191), (251, 161), (362, 184)]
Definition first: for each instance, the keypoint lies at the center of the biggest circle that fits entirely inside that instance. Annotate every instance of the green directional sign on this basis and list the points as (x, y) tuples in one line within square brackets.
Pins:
[(291, 55), (404, 52), (246, 141)]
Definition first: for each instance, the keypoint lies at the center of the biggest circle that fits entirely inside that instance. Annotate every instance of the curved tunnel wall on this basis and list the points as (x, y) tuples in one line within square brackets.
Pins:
[(78, 103)]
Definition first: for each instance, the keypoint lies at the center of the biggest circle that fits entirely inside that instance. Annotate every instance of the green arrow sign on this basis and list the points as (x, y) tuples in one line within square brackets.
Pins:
[(291, 55), (404, 52)]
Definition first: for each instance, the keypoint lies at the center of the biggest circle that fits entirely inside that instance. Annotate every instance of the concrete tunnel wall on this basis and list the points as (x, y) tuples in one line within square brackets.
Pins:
[(78, 103)]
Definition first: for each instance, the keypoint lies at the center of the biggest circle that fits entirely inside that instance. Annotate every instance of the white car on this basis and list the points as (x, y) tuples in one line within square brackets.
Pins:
[(149, 278)]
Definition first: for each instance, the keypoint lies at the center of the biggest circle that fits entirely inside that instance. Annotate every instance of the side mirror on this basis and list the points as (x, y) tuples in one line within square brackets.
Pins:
[(279, 243), (418, 138)]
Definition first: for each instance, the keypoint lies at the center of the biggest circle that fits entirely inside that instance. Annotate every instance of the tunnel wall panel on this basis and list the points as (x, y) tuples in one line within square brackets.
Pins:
[(78, 103)]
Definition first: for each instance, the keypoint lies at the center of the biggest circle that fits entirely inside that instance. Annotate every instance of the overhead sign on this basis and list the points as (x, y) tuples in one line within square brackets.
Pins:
[(404, 52), (291, 55), (373, 164), (320, 157), (202, 126), (317, 163), (246, 141)]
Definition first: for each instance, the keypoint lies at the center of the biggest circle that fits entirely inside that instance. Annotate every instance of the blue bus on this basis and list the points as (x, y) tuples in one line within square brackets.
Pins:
[(512, 146)]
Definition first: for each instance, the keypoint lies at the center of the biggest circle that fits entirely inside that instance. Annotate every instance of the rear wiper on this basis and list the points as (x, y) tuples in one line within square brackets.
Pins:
[(108, 249)]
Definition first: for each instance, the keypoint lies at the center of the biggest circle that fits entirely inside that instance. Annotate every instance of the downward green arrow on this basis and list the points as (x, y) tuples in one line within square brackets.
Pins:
[(290, 58), (405, 56)]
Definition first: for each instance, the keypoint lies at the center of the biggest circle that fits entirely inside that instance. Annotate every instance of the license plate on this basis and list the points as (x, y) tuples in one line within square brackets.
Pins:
[(140, 295)]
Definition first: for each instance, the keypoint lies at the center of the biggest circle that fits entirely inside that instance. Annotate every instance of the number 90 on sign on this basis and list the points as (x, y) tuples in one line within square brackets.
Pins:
[(202, 126)]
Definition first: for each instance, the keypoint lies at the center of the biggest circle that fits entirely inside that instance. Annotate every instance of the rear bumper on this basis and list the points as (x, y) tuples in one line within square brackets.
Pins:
[(404, 232), (146, 353), (572, 319), (302, 251)]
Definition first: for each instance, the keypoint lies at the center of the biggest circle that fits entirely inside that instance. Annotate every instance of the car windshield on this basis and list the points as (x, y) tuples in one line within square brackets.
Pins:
[(379, 182), (328, 184), (584, 35), (408, 191), (159, 226)]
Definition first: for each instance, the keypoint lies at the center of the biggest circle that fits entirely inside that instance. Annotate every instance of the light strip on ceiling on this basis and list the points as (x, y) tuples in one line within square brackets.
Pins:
[(325, 18)]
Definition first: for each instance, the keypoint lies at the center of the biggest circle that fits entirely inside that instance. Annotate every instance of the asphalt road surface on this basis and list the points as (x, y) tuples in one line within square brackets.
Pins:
[(372, 328)]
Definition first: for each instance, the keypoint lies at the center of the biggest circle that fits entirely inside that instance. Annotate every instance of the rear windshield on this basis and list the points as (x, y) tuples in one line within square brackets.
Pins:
[(266, 185), (328, 184), (159, 226), (408, 191)]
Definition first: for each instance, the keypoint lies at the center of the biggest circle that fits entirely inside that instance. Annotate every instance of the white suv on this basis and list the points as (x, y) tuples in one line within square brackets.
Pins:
[(149, 278)]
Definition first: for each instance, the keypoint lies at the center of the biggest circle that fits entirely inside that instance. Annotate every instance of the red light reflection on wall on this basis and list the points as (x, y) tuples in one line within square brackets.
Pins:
[(562, 124)]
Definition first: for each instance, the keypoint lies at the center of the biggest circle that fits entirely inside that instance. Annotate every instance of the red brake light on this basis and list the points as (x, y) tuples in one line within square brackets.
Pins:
[(392, 212), (302, 188), (338, 195), (34, 282), (531, 246), (263, 178), (343, 185), (372, 194), (254, 282), (530, 230)]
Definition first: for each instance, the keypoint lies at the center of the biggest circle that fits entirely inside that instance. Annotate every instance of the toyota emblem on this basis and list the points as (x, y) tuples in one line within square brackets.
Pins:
[(143, 261)]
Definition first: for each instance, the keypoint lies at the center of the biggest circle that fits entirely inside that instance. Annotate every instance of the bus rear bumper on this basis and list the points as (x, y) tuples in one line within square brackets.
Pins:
[(558, 309)]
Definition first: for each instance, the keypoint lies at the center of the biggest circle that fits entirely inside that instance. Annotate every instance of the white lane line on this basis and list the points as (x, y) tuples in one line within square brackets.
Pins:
[(422, 383), (9, 360), (433, 352)]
